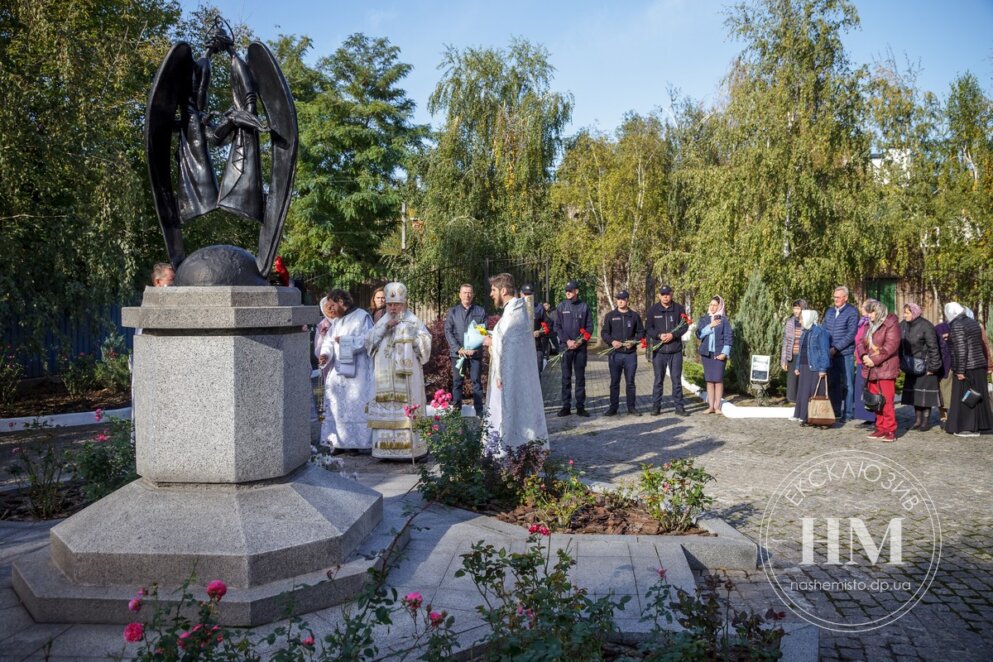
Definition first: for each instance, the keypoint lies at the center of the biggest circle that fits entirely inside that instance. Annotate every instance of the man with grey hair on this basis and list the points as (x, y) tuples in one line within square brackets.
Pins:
[(841, 321)]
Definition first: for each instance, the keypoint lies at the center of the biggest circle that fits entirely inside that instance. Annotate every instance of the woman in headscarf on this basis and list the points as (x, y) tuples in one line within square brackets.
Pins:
[(812, 363), (969, 369), (792, 331), (920, 361), (880, 352), (867, 417), (716, 339)]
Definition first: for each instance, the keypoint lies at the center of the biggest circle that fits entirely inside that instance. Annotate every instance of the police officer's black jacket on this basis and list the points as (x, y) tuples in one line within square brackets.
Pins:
[(622, 326), (573, 316), (457, 322), (659, 320)]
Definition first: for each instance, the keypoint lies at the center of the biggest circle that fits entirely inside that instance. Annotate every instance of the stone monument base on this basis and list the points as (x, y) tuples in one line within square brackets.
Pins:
[(310, 537)]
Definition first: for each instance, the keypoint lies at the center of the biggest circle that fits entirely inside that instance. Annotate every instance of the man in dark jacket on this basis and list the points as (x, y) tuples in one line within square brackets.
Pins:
[(574, 326), (541, 327), (666, 322), (623, 331), (841, 321), (457, 321)]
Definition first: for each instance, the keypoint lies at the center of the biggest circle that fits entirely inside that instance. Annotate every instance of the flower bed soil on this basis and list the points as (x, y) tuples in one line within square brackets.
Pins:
[(49, 397), (15, 506), (601, 517)]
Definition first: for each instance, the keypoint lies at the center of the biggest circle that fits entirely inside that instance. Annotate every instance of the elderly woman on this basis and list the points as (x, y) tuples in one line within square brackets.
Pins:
[(716, 339), (400, 345), (867, 417), (920, 361), (813, 359), (880, 353), (969, 369), (792, 331)]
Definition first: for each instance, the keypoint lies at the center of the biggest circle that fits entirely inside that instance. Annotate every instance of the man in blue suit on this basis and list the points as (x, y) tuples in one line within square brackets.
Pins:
[(841, 321)]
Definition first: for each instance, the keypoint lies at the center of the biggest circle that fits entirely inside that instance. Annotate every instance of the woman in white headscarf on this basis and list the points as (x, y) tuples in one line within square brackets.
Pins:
[(400, 345), (812, 363), (968, 374)]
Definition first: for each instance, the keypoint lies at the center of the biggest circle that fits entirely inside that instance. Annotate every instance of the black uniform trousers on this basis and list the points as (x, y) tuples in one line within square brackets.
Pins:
[(541, 359), (475, 374), (674, 364), (622, 363), (574, 359)]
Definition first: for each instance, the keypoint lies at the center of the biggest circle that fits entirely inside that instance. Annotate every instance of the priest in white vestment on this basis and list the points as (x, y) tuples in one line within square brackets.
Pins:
[(400, 345), (516, 409), (348, 385)]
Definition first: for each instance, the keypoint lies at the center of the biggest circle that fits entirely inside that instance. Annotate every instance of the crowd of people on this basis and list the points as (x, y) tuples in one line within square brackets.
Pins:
[(858, 355)]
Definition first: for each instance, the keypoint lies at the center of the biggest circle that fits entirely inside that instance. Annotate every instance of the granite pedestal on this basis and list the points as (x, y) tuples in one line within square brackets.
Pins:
[(222, 420)]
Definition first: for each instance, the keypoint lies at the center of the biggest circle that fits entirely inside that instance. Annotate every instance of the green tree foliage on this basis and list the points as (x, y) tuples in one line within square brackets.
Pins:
[(75, 218), (484, 184), (356, 138), (788, 196), (613, 192), (758, 329)]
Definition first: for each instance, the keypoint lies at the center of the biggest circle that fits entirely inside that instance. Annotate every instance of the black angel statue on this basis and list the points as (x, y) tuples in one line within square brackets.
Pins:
[(178, 106)]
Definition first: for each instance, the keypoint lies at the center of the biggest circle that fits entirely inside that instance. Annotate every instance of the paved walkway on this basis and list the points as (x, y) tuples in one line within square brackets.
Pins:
[(748, 459)]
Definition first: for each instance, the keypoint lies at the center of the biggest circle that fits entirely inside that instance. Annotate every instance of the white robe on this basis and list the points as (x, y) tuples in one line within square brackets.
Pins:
[(345, 420), (517, 411), (398, 357)]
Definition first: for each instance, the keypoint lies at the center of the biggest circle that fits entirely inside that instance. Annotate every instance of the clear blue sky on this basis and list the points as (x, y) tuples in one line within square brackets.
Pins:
[(622, 55)]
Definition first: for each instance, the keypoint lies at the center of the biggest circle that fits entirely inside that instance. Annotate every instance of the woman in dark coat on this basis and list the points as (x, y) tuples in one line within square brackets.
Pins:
[(969, 368), (716, 339), (792, 332), (920, 361), (945, 377), (812, 363), (880, 352)]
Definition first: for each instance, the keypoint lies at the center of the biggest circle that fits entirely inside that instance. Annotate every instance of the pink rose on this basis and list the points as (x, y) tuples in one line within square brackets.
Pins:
[(540, 529), (216, 589), (183, 637), (435, 428), (436, 618), (134, 604), (413, 600), (308, 640), (662, 572), (101, 436), (142, 592), (98, 414), (134, 632)]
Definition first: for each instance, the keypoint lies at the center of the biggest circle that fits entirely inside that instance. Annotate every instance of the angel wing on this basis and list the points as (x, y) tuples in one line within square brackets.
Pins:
[(275, 95), (172, 87)]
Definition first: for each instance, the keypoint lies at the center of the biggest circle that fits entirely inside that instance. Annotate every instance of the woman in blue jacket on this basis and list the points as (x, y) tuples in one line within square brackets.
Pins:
[(813, 363), (716, 339)]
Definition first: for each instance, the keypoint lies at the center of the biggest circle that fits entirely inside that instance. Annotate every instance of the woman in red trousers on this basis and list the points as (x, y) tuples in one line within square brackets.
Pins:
[(880, 352)]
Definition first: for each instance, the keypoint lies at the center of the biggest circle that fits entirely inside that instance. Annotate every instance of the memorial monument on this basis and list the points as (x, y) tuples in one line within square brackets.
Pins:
[(221, 388)]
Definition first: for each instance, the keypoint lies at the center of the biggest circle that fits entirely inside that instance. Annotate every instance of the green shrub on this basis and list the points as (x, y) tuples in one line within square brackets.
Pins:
[(758, 330), (39, 470), (11, 372), (107, 461), (79, 374), (693, 372), (113, 371), (673, 493), (454, 442)]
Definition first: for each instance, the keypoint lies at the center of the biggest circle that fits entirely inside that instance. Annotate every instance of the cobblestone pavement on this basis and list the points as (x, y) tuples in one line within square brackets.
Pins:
[(749, 458)]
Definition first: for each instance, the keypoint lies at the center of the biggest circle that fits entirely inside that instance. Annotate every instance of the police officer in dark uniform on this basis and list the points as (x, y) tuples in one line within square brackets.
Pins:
[(573, 327), (665, 323), (622, 330), (457, 322), (538, 331)]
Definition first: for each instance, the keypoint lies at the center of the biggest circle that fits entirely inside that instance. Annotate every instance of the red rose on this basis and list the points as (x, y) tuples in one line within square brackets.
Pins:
[(134, 632), (216, 589)]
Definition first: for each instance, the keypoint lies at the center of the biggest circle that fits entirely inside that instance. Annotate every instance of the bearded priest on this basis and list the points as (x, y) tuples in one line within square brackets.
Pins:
[(515, 405), (400, 345)]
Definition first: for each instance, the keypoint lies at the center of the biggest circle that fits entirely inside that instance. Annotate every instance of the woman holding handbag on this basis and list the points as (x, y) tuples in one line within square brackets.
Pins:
[(880, 352), (812, 363), (867, 417), (920, 361), (969, 409)]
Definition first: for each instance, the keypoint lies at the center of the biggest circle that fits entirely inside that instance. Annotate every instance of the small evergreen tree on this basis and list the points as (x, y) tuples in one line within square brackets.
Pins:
[(757, 330)]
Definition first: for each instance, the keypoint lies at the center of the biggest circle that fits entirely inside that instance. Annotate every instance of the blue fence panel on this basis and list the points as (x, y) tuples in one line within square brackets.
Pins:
[(81, 336)]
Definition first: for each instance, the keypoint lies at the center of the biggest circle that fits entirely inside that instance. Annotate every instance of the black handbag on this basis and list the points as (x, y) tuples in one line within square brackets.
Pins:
[(873, 402), (911, 365), (971, 398)]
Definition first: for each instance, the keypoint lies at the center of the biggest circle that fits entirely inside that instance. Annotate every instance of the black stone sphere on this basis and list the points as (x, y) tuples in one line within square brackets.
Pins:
[(219, 265)]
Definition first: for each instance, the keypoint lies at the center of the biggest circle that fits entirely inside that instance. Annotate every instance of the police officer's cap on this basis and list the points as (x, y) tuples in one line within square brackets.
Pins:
[(527, 289), (571, 285), (665, 289), (623, 294)]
